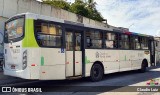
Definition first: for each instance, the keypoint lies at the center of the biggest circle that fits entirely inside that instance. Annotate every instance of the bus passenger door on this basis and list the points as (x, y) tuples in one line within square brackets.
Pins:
[(152, 53), (78, 54), (73, 53)]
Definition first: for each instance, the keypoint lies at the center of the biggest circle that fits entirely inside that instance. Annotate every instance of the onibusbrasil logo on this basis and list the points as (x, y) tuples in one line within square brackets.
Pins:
[(15, 89), (153, 82)]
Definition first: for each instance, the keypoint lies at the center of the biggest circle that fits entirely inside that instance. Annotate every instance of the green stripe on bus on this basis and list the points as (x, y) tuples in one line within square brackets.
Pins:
[(29, 39), (86, 60), (42, 61)]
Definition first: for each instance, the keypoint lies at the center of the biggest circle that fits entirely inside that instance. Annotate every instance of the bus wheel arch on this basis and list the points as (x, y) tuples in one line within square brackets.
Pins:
[(97, 71), (144, 65), (145, 62)]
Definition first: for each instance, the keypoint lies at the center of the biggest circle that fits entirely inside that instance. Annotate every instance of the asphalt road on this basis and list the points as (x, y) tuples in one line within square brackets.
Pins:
[(86, 87)]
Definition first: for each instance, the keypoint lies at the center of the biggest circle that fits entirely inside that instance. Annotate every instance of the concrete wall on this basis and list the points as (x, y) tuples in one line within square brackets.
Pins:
[(2, 20)]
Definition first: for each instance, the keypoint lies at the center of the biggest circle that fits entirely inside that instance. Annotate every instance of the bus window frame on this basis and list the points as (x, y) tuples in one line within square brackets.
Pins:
[(119, 35), (49, 22), (135, 42), (95, 30), (148, 39), (64, 26), (105, 47)]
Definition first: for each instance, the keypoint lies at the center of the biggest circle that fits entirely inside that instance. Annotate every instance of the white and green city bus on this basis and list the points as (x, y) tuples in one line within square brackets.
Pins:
[(48, 48)]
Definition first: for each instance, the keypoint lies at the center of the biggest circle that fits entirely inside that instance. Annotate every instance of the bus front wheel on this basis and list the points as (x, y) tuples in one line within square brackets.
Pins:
[(96, 72)]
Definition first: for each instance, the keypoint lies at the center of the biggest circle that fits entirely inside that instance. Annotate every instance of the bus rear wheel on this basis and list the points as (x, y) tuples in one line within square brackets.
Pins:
[(143, 67), (96, 72)]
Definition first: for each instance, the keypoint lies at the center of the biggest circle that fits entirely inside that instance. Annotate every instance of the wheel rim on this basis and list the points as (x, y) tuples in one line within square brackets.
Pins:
[(143, 67), (96, 72)]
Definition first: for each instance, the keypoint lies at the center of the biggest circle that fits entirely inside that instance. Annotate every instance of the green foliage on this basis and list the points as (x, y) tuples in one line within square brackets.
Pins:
[(94, 14), (58, 3), (86, 9), (79, 7)]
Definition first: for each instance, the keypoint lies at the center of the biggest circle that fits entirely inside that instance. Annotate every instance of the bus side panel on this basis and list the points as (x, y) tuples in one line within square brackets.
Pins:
[(52, 64), (92, 55), (137, 57), (34, 62), (30, 45), (111, 61), (115, 60), (147, 56), (124, 59)]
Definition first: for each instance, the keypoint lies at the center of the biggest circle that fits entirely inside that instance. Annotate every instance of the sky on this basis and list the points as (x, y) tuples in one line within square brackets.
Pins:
[(140, 16)]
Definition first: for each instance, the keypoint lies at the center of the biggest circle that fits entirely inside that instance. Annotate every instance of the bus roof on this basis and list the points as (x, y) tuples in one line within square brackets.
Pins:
[(29, 15)]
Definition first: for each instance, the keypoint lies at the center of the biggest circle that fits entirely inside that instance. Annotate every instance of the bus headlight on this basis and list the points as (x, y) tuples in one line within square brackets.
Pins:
[(24, 65)]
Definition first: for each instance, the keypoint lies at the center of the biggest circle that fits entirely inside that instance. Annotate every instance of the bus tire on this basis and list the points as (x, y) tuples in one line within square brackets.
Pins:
[(143, 66), (96, 73)]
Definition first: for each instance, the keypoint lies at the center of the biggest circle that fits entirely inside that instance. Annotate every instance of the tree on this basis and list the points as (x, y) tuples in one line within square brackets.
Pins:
[(58, 3), (91, 4), (86, 9), (93, 12), (79, 7)]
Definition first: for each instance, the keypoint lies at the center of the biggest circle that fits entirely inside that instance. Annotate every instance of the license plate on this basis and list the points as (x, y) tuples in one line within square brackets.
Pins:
[(13, 66)]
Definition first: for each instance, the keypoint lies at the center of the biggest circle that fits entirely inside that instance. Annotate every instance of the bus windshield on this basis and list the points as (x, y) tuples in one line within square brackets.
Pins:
[(14, 29)]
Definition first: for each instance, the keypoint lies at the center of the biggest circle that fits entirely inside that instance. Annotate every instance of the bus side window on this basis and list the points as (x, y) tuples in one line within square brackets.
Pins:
[(137, 43), (48, 34), (69, 41), (132, 42), (89, 42), (144, 43), (111, 40), (78, 41), (124, 41), (94, 39)]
